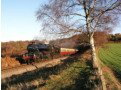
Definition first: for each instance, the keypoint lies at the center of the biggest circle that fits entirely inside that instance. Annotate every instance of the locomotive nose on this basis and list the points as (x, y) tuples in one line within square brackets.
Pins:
[(34, 57)]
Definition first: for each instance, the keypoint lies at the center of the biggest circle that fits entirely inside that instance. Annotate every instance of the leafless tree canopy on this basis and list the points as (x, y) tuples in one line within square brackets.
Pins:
[(64, 16), (70, 16)]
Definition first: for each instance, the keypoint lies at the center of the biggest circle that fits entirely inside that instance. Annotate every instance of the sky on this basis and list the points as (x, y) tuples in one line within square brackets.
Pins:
[(19, 22)]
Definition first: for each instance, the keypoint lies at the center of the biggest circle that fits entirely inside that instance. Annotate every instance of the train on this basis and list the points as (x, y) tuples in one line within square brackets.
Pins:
[(40, 52)]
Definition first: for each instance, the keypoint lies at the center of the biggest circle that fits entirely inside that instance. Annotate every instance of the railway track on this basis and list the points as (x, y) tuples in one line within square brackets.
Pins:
[(6, 73)]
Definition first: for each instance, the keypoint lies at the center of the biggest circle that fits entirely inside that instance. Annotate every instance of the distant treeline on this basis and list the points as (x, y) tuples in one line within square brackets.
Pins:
[(115, 38)]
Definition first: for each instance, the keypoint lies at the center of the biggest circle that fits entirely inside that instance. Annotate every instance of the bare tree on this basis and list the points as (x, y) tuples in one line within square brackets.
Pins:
[(73, 16)]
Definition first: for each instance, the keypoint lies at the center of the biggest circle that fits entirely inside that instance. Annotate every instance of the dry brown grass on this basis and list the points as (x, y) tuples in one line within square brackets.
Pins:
[(8, 62)]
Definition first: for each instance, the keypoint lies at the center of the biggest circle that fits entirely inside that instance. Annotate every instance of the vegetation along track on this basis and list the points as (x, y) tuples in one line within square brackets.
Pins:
[(110, 54)]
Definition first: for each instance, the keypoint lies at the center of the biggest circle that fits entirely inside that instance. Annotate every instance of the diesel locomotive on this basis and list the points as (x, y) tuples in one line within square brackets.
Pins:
[(40, 52)]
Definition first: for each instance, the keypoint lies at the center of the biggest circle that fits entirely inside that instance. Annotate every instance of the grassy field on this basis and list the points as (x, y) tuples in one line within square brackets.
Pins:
[(110, 54)]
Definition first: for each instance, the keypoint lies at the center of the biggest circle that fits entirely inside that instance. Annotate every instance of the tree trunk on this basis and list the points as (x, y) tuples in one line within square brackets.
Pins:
[(91, 41), (96, 66), (93, 54)]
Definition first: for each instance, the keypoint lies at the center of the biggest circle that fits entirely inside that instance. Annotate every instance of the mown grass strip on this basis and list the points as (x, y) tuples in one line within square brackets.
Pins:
[(111, 56)]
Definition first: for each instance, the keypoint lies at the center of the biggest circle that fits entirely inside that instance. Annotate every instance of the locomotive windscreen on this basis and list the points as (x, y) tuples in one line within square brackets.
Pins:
[(31, 47)]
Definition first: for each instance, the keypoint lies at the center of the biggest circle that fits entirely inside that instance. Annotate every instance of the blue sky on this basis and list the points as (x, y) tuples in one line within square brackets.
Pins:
[(19, 20)]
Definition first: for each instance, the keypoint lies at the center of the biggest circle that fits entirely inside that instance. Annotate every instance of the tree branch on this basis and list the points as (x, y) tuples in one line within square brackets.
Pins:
[(109, 9), (85, 8), (95, 26), (71, 30), (92, 9), (74, 14), (80, 2)]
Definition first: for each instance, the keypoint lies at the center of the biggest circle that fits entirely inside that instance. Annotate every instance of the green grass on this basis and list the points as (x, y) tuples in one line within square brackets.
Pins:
[(110, 54), (74, 77)]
